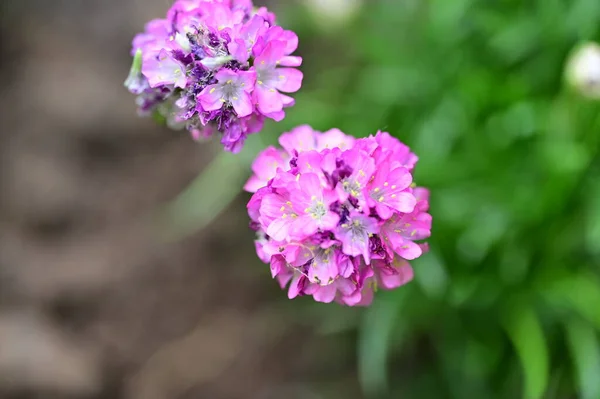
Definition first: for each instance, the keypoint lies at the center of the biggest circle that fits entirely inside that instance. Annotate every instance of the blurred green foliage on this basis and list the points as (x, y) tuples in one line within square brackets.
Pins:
[(507, 303)]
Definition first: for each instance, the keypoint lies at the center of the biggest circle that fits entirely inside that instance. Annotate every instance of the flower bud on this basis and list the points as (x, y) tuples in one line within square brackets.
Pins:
[(583, 70)]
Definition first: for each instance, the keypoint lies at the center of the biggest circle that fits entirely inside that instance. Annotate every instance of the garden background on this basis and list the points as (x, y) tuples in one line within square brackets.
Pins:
[(127, 269)]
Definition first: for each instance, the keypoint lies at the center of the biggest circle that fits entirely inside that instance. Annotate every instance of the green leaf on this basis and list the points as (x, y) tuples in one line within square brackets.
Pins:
[(431, 275), (582, 18), (211, 192), (136, 69), (159, 118), (515, 41), (525, 332), (579, 293), (585, 351), (592, 226), (374, 341)]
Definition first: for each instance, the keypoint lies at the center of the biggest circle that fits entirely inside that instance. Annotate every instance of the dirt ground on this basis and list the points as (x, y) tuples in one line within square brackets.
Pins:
[(93, 304)]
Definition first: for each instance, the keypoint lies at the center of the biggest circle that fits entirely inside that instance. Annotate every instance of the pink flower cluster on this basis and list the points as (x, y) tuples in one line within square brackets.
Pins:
[(337, 217), (216, 66)]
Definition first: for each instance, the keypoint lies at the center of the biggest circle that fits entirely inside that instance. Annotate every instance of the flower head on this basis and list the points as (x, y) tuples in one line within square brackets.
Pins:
[(231, 89), (583, 70), (215, 66), (338, 217)]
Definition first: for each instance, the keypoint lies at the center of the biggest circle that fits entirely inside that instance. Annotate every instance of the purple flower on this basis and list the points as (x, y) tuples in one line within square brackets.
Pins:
[(334, 138), (301, 138), (401, 230), (164, 70), (397, 153), (154, 36), (389, 191), (246, 38), (392, 275), (265, 167), (327, 293), (323, 269), (278, 216), (270, 79), (354, 235), (232, 88), (220, 16), (337, 218), (362, 167), (215, 67), (311, 202)]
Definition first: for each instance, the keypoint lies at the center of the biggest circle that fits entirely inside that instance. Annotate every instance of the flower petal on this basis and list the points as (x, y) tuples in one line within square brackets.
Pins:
[(325, 294), (403, 202), (277, 265), (291, 61), (276, 116), (402, 273), (409, 250), (279, 229), (242, 104), (323, 270), (297, 285), (268, 100), (301, 138), (287, 100), (163, 69), (290, 79), (210, 98), (246, 80), (273, 52), (291, 41)]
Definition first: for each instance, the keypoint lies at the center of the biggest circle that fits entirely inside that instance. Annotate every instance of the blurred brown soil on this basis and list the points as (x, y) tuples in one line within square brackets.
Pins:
[(93, 304)]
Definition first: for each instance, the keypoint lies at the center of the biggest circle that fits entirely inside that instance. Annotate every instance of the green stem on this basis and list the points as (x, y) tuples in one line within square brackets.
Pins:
[(207, 196)]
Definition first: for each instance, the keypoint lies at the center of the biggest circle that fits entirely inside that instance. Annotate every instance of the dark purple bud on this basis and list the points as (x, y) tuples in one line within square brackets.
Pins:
[(342, 170), (373, 214), (199, 73), (150, 98), (225, 36), (341, 210), (233, 65), (353, 201), (233, 137), (332, 182), (376, 248), (323, 236), (213, 40), (185, 59)]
